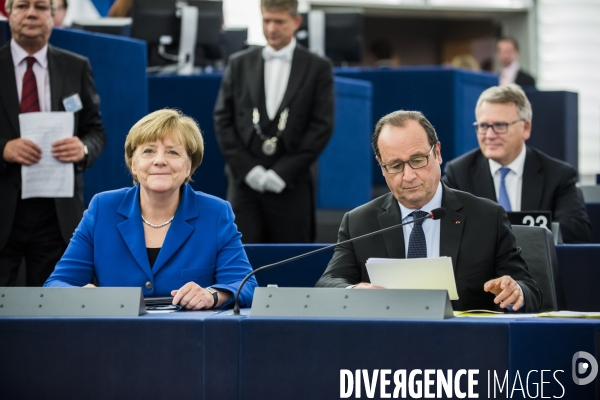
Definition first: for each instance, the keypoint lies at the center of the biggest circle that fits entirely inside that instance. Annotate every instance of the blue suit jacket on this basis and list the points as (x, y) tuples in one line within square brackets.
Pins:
[(202, 245)]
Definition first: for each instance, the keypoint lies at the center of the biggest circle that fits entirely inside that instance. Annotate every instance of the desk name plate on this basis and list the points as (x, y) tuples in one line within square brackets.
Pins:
[(351, 303), (71, 302)]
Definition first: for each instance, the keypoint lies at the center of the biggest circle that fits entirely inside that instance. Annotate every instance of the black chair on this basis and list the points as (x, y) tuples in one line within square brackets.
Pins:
[(539, 253)]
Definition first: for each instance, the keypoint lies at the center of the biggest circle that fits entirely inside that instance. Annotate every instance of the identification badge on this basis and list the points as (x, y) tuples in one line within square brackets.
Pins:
[(72, 103)]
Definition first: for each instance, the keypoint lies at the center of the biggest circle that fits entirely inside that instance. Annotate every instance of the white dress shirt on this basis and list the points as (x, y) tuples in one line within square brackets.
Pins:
[(509, 74), (431, 228), (40, 70), (278, 64), (513, 180)]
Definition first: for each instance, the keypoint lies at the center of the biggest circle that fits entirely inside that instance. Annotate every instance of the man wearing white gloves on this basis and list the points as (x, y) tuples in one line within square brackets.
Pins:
[(273, 118)]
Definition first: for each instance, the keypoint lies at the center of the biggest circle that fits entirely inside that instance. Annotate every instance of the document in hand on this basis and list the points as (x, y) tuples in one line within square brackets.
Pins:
[(49, 177), (413, 273)]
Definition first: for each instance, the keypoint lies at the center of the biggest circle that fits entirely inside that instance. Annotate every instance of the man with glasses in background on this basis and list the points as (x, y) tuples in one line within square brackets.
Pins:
[(518, 177), (475, 233)]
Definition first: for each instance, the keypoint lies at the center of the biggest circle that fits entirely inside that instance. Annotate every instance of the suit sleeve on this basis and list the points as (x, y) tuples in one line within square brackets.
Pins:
[(343, 270), (232, 262), (569, 210), (236, 155), (76, 267), (508, 261), (318, 132), (90, 129)]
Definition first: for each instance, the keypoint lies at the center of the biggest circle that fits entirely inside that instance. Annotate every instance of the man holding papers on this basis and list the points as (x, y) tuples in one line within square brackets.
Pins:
[(36, 77), (475, 233)]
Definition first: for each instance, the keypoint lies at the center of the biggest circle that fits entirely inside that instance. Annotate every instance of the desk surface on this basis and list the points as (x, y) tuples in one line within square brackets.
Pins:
[(208, 354)]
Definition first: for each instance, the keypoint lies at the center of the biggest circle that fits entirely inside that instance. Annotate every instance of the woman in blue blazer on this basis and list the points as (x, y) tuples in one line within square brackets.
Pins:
[(160, 235)]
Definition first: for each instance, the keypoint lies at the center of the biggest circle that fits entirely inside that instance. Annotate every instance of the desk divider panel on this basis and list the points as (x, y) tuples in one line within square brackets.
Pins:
[(301, 273), (71, 302), (344, 303)]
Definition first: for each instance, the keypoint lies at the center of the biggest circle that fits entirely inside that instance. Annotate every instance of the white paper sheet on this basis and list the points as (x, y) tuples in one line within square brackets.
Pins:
[(49, 177), (413, 273)]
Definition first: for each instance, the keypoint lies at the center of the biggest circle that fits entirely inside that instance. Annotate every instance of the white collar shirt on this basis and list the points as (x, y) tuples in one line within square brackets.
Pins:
[(278, 64), (40, 70), (509, 74), (431, 228), (513, 180)]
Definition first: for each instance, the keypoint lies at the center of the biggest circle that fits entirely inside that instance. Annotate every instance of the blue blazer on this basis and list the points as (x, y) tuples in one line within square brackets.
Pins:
[(202, 245)]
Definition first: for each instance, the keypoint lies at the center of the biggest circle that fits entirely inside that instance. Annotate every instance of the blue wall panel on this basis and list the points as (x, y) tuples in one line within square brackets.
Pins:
[(446, 96), (119, 66)]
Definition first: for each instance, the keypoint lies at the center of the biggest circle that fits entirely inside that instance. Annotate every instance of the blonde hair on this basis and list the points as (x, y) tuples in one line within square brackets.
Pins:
[(160, 124), (511, 93), (465, 61)]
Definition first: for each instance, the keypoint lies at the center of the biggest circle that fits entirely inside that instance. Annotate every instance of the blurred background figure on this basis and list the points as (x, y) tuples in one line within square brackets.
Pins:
[(465, 61), (120, 8), (383, 54), (60, 13), (507, 53)]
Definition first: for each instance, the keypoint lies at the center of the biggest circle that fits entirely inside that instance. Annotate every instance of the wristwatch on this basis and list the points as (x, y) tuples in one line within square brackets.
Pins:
[(215, 296)]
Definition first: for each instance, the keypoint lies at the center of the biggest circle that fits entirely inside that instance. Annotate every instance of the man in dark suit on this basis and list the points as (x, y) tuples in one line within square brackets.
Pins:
[(518, 177), (35, 77), (273, 117), (507, 50), (475, 233)]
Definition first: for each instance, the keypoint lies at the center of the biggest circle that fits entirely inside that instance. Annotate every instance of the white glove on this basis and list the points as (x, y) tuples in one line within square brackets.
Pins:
[(257, 178), (274, 183)]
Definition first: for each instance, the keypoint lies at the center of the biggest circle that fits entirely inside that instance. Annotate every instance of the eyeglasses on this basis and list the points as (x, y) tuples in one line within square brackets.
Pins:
[(498, 127), (415, 163)]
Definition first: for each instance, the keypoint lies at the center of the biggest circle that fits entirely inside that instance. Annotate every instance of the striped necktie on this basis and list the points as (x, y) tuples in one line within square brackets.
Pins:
[(30, 101)]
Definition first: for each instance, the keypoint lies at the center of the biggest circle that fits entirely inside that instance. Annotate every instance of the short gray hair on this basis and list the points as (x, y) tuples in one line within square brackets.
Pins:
[(9, 4), (289, 5), (511, 93), (399, 119)]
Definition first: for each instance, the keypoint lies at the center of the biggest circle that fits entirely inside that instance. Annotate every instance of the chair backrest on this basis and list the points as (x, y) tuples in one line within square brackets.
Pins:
[(539, 253)]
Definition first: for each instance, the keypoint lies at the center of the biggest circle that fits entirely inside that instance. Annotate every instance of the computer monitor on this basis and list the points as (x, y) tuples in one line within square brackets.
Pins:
[(156, 20), (152, 20), (209, 37), (344, 36)]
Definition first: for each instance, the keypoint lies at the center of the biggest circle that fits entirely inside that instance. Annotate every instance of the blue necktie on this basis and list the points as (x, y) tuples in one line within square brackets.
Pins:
[(417, 246), (503, 194)]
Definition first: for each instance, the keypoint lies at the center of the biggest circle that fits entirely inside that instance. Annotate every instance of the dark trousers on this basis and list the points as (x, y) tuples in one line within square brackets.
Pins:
[(287, 217), (36, 237)]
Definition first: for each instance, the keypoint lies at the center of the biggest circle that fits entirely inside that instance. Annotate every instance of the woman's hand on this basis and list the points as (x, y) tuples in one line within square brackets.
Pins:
[(89, 285), (193, 297)]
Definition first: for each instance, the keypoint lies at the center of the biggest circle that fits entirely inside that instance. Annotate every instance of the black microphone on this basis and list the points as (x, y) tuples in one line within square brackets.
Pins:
[(438, 213)]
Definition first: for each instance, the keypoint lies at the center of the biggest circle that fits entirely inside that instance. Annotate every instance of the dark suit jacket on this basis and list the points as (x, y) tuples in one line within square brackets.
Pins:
[(69, 74), (523, 79), (475, 233), (309, 96), (548, 185)]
